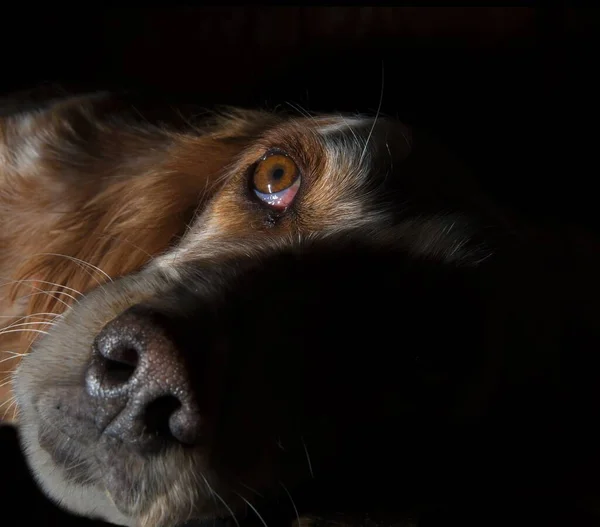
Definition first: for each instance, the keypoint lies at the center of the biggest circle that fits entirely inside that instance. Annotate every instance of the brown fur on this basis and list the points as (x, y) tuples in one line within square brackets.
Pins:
[(139, 190), (113, 195), (87, 197)]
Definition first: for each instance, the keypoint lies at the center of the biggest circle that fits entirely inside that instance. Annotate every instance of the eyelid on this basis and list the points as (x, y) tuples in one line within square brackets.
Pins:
[(280, 200)]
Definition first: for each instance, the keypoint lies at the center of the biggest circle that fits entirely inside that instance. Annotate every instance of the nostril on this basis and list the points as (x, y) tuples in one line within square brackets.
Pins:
[(118, 364), (157, 416), (185, 425)]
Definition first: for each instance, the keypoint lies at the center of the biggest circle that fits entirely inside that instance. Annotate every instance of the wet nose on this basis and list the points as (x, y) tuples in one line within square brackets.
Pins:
[(139, 380)]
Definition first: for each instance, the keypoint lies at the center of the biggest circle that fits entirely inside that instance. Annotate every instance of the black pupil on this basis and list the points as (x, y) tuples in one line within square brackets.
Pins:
[(277, 173)]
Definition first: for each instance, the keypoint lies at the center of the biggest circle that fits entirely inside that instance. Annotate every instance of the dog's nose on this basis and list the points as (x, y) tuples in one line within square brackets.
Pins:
[(139, 379)]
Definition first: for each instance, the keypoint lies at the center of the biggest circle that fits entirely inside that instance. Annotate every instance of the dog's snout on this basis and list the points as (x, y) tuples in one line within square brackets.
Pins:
[(139, 380)]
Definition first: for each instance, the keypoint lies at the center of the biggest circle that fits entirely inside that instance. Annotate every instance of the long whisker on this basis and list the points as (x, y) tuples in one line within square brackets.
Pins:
[(82, 262), (12, 353), (262, 520), (216, 495), (292, 500), (7, 381), (26, 316), (376, 116), (33, 315), (307, 458), (8, 409), (300, 110), (23, 331), (15, 325), (11, 402), (12, 357), (251, 489), (12, 282), (356, 139), (51, 295)]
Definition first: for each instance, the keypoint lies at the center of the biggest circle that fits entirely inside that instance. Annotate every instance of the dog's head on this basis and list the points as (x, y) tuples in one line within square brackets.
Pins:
[(297, 292)]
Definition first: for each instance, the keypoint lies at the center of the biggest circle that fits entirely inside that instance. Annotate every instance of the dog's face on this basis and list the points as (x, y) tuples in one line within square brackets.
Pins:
[(288, 321)]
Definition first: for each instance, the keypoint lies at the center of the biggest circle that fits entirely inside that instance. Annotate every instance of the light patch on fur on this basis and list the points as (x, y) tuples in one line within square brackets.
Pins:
[(23, 151), (345, 124), (340, 191), (193, 242)]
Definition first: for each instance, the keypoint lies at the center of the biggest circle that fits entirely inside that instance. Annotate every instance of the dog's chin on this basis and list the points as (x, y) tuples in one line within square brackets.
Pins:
[(97, 476), (92, 500)]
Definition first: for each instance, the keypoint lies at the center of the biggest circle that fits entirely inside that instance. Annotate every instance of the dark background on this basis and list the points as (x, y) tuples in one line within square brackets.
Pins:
[(512, 90)]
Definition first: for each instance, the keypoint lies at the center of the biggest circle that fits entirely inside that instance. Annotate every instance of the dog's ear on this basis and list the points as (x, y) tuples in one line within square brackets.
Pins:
[(91, 189)]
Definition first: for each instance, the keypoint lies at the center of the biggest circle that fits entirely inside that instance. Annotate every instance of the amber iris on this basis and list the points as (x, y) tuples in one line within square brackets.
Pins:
[(274, 173)]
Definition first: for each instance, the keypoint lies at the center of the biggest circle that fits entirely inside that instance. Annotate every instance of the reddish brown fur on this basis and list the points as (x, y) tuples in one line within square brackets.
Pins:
[(115, 195), (141, 188)]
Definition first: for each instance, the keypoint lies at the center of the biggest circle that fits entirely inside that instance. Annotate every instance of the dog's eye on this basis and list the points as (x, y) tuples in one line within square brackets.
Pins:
[(275, 180)]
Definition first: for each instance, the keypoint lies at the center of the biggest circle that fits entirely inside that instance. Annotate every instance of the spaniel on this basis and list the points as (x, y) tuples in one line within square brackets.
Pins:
[(203, 312)]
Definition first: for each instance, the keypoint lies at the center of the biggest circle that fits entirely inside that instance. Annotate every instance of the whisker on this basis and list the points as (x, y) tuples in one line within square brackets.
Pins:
[(376, 116), (195, 484), (12, 357), (23, 317), (262, 520), (292, 500), (23, 331), (251, 489), (356, 139), (47, 322), (12, 282), (299, 109), (51, 295), (12, 401), (56, 292), (12, 353), (7, 410), (37, 315), (17, 323), (216, 495), (9, 400), (82, 262), (307, 458), (390, 154)]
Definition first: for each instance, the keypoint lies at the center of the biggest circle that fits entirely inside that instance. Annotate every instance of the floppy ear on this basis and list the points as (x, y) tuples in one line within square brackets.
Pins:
[(90, 191)]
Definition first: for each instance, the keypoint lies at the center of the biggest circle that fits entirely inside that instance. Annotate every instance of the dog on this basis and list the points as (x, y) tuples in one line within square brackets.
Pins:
[(206, 311)]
